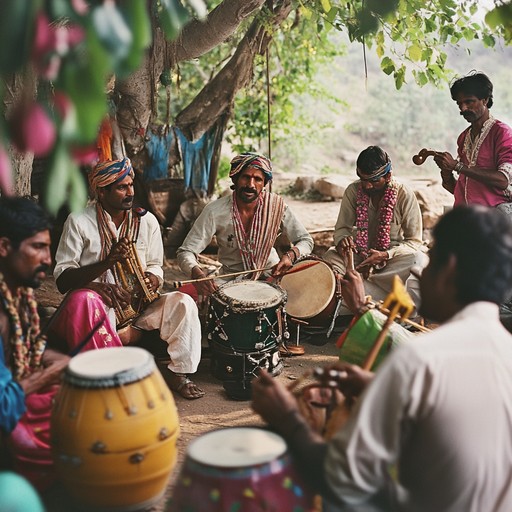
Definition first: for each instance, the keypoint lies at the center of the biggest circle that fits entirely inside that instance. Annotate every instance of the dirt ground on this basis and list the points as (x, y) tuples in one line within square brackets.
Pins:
[(216, 410)]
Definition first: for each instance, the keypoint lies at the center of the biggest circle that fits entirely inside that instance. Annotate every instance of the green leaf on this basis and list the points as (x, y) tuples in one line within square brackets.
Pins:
[(172, 17), (77, 190), (58, 175), (387, 65), (137, 18), (326, 5), (414, 52), (16, 31), (112, 30)]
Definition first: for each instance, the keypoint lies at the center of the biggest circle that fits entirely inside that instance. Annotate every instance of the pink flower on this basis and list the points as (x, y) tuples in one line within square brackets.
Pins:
[(32, 129), (85, 155)]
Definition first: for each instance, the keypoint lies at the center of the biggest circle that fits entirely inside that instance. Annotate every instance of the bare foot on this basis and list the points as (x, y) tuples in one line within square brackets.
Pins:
[(181, 384), (129, 335)]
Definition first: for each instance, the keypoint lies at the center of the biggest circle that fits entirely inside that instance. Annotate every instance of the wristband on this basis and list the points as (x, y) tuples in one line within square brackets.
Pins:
[(458, 166)]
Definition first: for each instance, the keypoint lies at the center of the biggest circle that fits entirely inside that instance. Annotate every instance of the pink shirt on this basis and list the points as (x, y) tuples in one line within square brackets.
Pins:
[(491, 150)]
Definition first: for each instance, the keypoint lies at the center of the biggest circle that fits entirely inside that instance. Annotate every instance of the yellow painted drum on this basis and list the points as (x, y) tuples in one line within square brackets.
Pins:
[(114, 429)]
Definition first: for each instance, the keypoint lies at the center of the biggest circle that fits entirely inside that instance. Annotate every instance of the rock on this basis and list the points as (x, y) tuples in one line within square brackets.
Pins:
[(304, 183), (332, 186)]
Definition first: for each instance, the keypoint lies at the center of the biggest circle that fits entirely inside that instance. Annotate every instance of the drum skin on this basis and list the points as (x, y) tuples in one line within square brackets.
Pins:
[(238, 319), (311, 287), (114, 447), (268, 484)]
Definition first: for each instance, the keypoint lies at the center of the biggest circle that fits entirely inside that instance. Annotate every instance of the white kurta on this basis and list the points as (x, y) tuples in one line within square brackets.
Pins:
[(441, 407), (174, 314), (216, 220)]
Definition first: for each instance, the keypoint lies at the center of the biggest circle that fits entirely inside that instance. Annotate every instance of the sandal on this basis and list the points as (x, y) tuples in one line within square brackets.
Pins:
[(181, 384)]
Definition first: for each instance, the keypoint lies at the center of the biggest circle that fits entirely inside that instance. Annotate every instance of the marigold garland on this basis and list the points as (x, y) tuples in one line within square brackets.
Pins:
[(387, 206), (27, 345)]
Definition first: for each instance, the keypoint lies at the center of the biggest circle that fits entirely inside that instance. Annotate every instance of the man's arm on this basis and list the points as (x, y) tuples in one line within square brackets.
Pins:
[(411, 224), (347, 215)]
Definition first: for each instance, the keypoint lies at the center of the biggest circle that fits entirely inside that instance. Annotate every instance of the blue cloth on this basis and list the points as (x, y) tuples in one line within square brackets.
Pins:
[(197, 158), (12, 397), (158, 147)]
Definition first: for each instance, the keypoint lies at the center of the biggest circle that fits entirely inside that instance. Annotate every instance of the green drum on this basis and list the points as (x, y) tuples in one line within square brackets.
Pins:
[(247, 316)]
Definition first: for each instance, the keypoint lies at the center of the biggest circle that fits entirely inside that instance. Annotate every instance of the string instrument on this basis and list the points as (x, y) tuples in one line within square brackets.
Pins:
[(130, 275), (423, 154)]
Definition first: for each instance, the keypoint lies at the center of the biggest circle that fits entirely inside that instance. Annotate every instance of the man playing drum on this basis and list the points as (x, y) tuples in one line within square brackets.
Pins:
[(246, 225), (439, 408), (95, 241), (380, 223)]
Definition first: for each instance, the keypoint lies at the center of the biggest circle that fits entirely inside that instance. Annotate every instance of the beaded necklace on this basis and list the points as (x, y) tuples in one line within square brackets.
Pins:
[(387, 206), (27, 346)]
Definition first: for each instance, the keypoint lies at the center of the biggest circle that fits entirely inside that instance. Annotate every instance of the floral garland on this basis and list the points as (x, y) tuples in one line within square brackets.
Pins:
[(26, 343), (385, 216)]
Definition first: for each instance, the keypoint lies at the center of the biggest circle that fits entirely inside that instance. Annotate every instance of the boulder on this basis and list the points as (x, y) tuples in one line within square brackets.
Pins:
[(332, 186)]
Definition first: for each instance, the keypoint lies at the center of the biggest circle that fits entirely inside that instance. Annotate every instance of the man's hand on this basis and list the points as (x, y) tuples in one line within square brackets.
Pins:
[(374, 258), (272, 401), (352, 290), (352, 379), (204, 288), (345, 245), (151, 281), (111, 294), (285, 264), (120, 251), (445, 162), (47, 376)]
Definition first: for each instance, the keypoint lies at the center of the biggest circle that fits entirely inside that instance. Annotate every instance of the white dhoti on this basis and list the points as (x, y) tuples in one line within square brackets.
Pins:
[(176, 317), (380, 283)]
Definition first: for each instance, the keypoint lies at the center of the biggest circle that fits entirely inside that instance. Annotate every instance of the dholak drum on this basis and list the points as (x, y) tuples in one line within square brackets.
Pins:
[(114, 429), (242, 468), (246, 323), (357, 341), (311, 289)]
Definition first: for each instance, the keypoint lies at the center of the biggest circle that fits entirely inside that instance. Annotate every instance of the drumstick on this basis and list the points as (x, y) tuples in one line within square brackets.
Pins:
[(350, 260), (178, 284)]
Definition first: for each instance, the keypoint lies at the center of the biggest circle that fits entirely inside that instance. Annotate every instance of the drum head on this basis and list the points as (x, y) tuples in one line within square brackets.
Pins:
[(310, 285), (109, 367), (250, 295), (236, 447)]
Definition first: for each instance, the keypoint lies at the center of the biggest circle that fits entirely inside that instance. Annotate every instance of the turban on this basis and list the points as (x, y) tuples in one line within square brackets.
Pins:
[(240, 162), (377, 173), (111, 171)]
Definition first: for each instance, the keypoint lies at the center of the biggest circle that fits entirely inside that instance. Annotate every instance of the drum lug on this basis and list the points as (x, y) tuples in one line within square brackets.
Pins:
[(99, 447), (164, 434), (136, 458)]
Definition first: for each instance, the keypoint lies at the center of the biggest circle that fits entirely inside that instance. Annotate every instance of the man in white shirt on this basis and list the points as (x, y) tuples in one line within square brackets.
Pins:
[(439, 407), (96, 241)]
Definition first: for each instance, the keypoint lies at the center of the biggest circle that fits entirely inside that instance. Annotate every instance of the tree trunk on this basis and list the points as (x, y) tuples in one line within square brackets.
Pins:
[(137, 93)]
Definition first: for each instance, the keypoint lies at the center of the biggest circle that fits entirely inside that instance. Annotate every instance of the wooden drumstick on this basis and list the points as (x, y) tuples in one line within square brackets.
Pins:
[(178, 284), (423, 154), (350, 260)]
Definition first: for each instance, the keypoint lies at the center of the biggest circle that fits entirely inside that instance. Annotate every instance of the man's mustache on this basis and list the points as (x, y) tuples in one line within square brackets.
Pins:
[(42, 268), (128, 199), (249, 190)]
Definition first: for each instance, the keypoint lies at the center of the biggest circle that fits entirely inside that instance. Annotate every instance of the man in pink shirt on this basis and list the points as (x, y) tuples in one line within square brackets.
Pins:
[(484, 154)]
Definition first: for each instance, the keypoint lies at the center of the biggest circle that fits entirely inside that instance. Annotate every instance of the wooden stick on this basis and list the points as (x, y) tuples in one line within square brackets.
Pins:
[(377, 345), (178, 284)]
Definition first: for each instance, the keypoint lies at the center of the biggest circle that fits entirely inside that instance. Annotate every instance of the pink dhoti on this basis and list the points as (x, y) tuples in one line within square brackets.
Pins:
[(81, 324)]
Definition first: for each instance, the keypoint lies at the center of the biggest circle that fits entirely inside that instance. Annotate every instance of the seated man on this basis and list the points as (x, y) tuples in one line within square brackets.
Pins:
[(29, 371), (246, 225), (96, 241), (379, 223), (433, 397)]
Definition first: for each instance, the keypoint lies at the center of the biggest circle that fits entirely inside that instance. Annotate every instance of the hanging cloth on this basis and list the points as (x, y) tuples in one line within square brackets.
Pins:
[(197, 158), (158, 147)]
